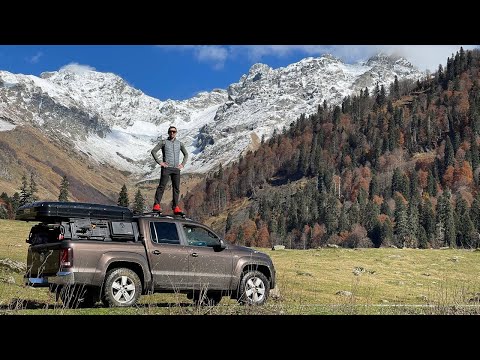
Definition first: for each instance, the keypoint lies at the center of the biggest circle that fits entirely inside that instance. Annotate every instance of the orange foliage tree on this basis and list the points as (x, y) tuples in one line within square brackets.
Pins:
[(263, 237)]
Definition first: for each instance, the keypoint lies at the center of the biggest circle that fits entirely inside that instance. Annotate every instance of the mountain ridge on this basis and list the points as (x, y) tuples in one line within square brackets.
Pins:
[(110, 122)]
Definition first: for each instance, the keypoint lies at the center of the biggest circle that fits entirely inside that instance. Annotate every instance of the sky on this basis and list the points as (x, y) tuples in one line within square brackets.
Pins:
[(179, 72)]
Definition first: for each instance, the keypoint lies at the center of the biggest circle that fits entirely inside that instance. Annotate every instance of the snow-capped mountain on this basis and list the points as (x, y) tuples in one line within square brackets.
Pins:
[(104, 117)]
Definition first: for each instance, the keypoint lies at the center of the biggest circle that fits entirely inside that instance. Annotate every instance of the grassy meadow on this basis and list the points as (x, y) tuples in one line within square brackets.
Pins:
[(321, 281)]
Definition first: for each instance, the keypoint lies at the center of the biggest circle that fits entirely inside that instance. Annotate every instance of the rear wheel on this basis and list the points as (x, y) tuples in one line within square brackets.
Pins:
[(122, 288), (254, 288)]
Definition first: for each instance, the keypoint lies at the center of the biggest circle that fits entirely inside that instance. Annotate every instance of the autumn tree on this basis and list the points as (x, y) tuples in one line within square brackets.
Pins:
[(263, 237)]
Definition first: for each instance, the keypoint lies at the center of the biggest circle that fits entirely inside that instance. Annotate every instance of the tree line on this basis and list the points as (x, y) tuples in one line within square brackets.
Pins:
[(28, 194)]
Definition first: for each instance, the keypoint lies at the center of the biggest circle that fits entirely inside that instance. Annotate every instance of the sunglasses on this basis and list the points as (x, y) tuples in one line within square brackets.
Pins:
[(172, 131)]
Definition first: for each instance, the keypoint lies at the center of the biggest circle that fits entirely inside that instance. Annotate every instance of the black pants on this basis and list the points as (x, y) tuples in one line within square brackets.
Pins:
[(174, 174)]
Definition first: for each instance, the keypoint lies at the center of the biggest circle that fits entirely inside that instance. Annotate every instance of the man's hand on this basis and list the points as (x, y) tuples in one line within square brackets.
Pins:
[(164, 164), (180, 166)]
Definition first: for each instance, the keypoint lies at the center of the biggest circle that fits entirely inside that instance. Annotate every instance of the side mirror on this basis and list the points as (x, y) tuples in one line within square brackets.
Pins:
[(221, 244)]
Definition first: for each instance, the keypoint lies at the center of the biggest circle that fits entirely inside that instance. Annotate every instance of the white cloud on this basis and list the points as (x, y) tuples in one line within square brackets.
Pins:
[(422, 56), (35, 58), (215, 54), (77, 68)]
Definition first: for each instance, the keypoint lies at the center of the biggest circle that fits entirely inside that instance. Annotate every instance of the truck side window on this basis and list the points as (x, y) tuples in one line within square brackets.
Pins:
[(198, 236), (164, 233)]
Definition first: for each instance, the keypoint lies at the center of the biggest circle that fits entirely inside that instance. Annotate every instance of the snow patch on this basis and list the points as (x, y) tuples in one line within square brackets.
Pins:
[(6, 126)]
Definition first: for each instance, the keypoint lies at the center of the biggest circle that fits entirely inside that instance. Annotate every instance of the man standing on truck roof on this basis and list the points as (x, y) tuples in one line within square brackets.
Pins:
[(171, 167)]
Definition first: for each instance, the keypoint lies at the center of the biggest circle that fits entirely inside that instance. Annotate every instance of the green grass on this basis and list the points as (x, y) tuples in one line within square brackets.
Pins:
[(373, 281)]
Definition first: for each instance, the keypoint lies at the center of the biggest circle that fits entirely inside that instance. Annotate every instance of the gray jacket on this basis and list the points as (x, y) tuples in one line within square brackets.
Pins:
[(171, 152)]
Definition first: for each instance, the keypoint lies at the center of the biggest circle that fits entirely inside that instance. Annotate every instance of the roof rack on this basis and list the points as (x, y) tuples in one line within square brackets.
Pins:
[(165, 216)]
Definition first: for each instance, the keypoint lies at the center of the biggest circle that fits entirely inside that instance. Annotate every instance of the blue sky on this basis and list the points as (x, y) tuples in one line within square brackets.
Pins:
[(180, 71)]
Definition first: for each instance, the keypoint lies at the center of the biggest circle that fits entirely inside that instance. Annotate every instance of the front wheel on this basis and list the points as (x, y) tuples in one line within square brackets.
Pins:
[(254, 288), (122, 288)]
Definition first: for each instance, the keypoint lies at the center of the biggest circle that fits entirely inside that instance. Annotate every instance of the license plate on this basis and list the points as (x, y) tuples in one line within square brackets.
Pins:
[(38, 281)]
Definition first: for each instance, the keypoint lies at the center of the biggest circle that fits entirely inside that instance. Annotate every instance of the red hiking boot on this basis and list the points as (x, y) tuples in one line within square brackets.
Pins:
[(156, 207), (177, 211)]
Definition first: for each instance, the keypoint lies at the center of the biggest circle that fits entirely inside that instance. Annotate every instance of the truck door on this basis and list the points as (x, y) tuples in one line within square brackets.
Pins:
[(210, 267), (168, 258)]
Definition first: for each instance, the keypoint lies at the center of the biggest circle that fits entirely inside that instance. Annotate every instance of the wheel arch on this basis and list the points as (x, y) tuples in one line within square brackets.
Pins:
[(135, 267)]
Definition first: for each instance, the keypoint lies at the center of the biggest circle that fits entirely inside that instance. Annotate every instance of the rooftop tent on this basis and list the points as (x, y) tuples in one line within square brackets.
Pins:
[(47, 210)]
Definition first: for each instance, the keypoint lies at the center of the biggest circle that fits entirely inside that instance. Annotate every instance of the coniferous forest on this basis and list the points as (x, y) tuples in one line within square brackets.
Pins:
[(388, 167)]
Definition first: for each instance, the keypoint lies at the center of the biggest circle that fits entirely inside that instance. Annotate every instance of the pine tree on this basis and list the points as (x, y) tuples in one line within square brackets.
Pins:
[(400, 183), (33, 188), (428, 219), (475, 212), (371, 215), (385, 209), (465, 229), (414, 193), (396, 89), (446, 220), (15, 201), (401, 221), (331, 214), (24, 191), (138, 203), (413, 222), (422, 238), (343, 224), (431, 184), (449, 158), (63, 196), (123, 197), (354, 213)]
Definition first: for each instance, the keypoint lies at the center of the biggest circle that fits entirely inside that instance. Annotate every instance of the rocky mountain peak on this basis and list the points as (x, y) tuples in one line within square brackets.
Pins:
[(113, 123)]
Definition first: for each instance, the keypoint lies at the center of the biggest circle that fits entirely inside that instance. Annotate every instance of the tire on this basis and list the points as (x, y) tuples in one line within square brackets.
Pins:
[(210, 298), (77, 296), (122, 288), (254, 288)]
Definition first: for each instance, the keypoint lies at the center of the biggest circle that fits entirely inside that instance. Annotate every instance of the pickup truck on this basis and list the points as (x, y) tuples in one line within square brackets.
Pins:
[(86, 253)]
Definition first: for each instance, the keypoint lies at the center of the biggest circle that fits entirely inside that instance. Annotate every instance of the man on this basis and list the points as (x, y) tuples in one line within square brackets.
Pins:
[(171, 166)]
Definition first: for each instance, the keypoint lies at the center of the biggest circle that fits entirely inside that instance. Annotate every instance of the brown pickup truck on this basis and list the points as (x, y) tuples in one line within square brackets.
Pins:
[(87, 253)]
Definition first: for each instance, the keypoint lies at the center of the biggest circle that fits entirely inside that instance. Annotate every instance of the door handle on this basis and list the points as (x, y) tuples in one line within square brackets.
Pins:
[(156, 252), (194, 254)]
